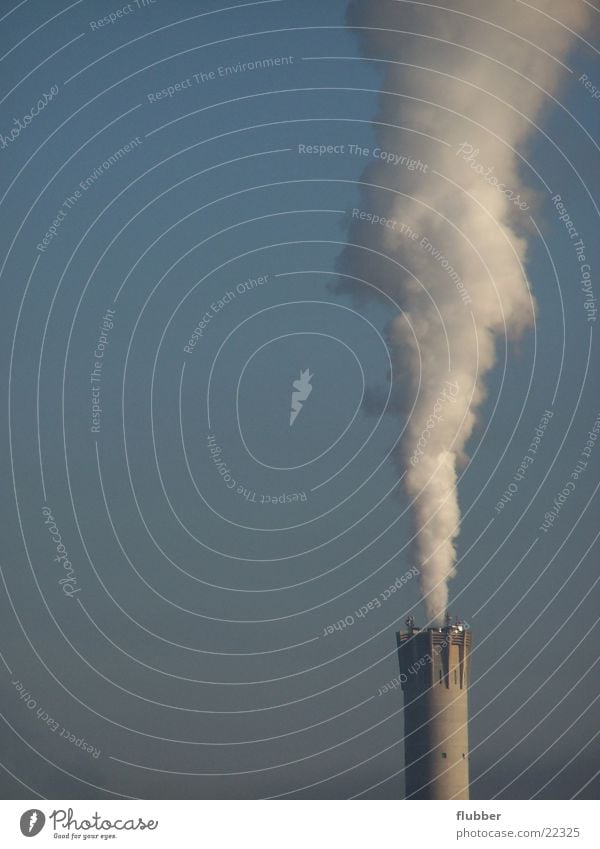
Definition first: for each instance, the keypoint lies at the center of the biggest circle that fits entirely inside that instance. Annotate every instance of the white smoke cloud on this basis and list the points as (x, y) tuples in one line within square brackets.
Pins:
[(482, 85)]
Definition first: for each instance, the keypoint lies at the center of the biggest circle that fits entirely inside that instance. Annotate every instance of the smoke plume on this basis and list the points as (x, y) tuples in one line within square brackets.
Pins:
[(442, 221)]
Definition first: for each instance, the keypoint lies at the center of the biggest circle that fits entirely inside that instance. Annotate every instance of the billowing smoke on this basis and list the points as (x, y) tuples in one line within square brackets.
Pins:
[(443, 221)]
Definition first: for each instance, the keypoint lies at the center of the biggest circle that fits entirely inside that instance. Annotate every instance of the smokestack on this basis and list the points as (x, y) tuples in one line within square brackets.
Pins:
[(434, 673)]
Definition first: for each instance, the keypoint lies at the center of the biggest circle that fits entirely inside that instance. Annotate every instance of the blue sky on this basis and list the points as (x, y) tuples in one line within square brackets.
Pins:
[(200, 620)]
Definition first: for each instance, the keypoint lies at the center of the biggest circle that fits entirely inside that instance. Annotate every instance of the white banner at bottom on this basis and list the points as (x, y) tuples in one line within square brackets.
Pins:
[(298, 824)]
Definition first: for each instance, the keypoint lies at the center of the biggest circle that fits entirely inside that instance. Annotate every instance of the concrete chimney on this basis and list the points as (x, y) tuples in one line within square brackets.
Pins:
[(434, 674)]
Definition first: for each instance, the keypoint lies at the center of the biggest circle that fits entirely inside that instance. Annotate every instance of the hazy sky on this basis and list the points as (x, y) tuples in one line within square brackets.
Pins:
[(170, 160)]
